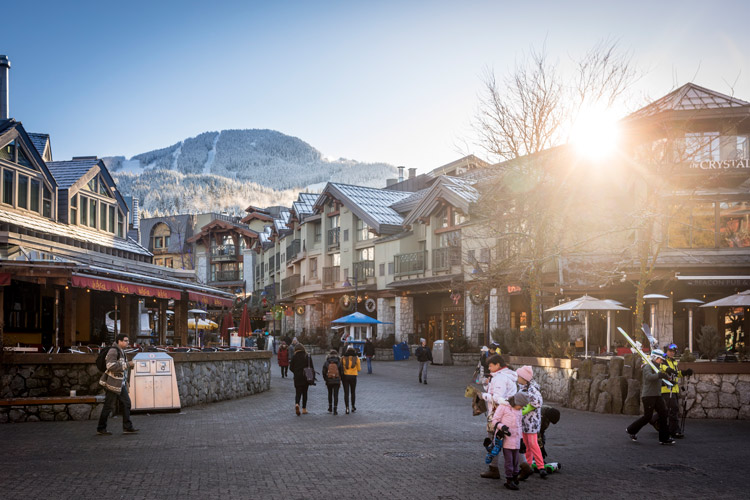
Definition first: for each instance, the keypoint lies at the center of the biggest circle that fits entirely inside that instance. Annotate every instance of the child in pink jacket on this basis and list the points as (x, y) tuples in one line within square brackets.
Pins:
[(510, 416)]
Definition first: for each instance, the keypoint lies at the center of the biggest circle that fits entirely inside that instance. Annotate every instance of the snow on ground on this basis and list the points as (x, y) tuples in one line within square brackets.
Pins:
[(211, 156), (131, 167), (176, 155)]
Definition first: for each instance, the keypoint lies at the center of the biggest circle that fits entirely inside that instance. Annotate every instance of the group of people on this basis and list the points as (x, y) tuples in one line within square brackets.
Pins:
[(660, 397), (337, 371), (515, 414)]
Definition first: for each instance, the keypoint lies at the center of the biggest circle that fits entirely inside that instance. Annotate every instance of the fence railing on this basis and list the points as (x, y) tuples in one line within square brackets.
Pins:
[(409, 263)]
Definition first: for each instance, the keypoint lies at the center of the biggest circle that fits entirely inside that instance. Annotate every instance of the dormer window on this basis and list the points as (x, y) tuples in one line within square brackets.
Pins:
[(13, 153)]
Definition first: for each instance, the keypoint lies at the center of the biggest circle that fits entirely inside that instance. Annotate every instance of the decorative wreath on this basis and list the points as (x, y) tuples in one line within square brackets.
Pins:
[(370, 305), (346, 303), (477, 296), (300, 310)]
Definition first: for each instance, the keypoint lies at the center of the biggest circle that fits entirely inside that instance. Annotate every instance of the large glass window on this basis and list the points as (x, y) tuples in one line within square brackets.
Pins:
[(84, 219), (46, 201), (366, 254), (363, 231), (92, 213), (103, 216), (111, 224), (8, 186), (23, 191), (120, 225), (449, 239), (734, 224), (34, 195), (692, 226), (74, 209)]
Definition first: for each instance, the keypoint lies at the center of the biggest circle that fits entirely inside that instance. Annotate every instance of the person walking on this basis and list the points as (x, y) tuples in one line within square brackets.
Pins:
[(369, 352), (283, 359), (424, 357), (332, 370), (532, 418), (671, 395), (652, 400), (115, 383), (509, 415), (300, 361), (499, 385), (351, 367)]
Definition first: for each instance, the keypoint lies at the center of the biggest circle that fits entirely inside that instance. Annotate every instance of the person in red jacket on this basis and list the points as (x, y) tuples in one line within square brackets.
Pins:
[(283, 359)]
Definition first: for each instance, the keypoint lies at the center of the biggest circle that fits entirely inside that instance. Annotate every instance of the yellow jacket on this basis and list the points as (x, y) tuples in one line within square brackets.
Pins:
[(671, 363), (349, 367)]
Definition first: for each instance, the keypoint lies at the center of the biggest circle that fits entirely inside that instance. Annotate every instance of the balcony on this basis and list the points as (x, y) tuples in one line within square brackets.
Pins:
[(289, 285), (331, 275), (333, 238), (292, 250), (223, 252), (444, 258), (364, 269), (227, 276), (409, 263)]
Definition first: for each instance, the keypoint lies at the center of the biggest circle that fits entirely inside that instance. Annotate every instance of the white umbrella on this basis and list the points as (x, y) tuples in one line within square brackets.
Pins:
[(741, 299), (586, 304)]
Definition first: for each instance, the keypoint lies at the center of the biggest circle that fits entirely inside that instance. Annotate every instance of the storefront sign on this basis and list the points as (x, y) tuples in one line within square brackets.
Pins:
[(102, 285), (514, 289), (453, 309), (209, 299), (720, 165), (719, 282)]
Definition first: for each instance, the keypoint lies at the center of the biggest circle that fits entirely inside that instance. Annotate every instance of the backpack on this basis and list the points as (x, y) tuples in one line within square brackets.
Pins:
[(101, 359), (332, 374), (309, 372)]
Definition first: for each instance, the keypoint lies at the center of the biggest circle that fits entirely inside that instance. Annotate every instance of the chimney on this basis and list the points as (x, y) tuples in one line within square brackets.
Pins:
[(412, 173), (4, 88), (401, 174)]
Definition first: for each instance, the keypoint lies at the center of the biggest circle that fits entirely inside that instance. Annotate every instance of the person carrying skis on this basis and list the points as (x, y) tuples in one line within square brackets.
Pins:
[(671, 395), (652, 400)]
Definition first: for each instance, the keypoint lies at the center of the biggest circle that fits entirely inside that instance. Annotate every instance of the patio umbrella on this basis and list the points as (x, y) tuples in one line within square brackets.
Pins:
[(226, 324), (244, 330), (586, 304), (741, 299), (195, 313)]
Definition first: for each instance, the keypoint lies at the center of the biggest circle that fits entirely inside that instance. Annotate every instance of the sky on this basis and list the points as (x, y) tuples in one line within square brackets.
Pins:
[(391, 81)]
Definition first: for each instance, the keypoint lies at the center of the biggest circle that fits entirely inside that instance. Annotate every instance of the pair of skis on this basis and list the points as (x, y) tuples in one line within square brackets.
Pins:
[(635, 347)]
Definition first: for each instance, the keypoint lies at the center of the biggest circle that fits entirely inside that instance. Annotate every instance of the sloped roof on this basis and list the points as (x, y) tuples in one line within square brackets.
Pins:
[(689, 97), (372, 205), (40, 142), (457, 192), (78, 233), (67, 173), (223, 224), (304, 204), (281, 223), (407, 204)]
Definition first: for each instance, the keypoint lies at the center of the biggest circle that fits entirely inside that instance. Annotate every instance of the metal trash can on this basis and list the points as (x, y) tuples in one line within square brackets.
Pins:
[(441, 353), (153, 382), (401, 351)]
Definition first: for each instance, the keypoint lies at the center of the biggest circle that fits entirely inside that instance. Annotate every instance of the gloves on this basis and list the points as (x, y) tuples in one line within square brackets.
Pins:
[(527, 409), (504, 430), (487, 397), (688, 372), (670, 371), (663, 375)]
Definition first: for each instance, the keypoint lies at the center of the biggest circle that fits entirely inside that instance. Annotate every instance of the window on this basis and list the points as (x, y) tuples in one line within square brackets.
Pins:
[(366, 254), (702, 146), (84, 207), (381, 270), (692, 226), (94, 185), (734, 228), (169, 262), (363, 231), (346, 235), (8, 186), (92, 213), (73, 209), (449, 239), (34, 195), (120, 225), (46, 201), (23, 191), (314, 268), (334, 221), (160, 237), (103, 216), (111, 224), (158, 242), (335, 259), (390, 268), (318, 229)]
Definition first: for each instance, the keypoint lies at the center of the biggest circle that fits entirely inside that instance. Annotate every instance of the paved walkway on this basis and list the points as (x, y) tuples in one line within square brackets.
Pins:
[(405, 441)]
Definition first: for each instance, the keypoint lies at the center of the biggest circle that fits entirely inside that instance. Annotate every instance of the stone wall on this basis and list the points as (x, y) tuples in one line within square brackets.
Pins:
[(201, 378), (552, 375), (404, 318), (386, 315), (726, 396)]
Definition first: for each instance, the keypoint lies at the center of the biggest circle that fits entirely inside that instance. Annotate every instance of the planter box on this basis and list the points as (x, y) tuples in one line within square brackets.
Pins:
[(465, 358), (382, 354)]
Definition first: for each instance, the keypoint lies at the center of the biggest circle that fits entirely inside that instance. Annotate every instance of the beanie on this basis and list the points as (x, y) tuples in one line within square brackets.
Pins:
[(526, 372), (520, 399)]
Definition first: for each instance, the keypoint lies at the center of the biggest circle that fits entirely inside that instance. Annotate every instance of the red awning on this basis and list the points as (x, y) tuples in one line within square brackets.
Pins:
[(4, 279), (210, 300), (125, 288)]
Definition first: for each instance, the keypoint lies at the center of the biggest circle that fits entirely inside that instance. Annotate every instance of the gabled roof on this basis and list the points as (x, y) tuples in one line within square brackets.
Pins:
[(407, 204), (11, 130), (689, 97), (41, 142), (304, 204), (67, 173), (219, 224), (281, 223), (369, 204), (457, 192)]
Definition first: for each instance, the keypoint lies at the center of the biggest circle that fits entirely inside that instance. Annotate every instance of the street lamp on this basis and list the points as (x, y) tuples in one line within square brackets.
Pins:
[(348, 285)]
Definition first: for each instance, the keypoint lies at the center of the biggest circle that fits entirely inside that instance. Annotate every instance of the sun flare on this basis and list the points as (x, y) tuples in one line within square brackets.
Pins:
[(596, 134)]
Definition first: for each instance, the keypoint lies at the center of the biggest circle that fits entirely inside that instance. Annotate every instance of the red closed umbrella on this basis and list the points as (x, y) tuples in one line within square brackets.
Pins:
[(244, 323), (226, 324)]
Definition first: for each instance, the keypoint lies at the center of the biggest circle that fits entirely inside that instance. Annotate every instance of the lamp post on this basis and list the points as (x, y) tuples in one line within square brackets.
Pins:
[(356, 283)]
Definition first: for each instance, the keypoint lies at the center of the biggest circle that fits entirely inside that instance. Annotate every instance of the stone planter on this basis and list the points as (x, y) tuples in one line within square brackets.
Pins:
[(465, 358), (383, 354)]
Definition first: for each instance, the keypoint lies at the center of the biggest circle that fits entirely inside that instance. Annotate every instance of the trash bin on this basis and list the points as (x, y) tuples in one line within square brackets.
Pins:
[(441, 353), (153, 382), (401, 351)]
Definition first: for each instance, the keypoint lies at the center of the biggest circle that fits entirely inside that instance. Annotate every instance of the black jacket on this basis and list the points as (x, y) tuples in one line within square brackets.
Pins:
[(423, 354), (297, 365), (332, 359), (369, 349)]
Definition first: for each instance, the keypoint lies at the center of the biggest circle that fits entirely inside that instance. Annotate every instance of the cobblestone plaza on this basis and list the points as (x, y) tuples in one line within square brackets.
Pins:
[(406, 440)]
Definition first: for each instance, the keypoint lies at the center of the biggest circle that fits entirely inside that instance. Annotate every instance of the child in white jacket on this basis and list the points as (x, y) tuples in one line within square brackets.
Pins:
[(499, 386)]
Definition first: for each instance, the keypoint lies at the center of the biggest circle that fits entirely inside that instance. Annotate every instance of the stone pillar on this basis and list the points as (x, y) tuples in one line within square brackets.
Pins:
[(300, 319), (386, 315), (499, 309), (181, 321), (473, 321), (404, 318), (69, 315), (664, 322)]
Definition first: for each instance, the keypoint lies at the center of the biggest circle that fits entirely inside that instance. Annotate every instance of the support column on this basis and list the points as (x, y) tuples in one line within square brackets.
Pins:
[(135, 319), (385, 314), (404, 318), (125, 316), (162, 327), (473, 321), (665, 322), (70, 316), (499, 309), (181, 320)]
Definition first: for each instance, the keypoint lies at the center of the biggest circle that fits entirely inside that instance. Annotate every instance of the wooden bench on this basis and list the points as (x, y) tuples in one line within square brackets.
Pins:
[(52, 400)]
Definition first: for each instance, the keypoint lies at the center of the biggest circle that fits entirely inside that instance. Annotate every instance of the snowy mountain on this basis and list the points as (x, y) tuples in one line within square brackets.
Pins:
[(231, 169)]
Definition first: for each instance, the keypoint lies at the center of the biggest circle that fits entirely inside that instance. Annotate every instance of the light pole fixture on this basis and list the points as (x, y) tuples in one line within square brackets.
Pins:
[(690, 304)]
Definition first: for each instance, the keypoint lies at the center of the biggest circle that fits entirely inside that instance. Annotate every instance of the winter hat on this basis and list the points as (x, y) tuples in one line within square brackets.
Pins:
[(299, 347), (519, 399), (333, 352), (526, 372), (485, 348), (422, 340)]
